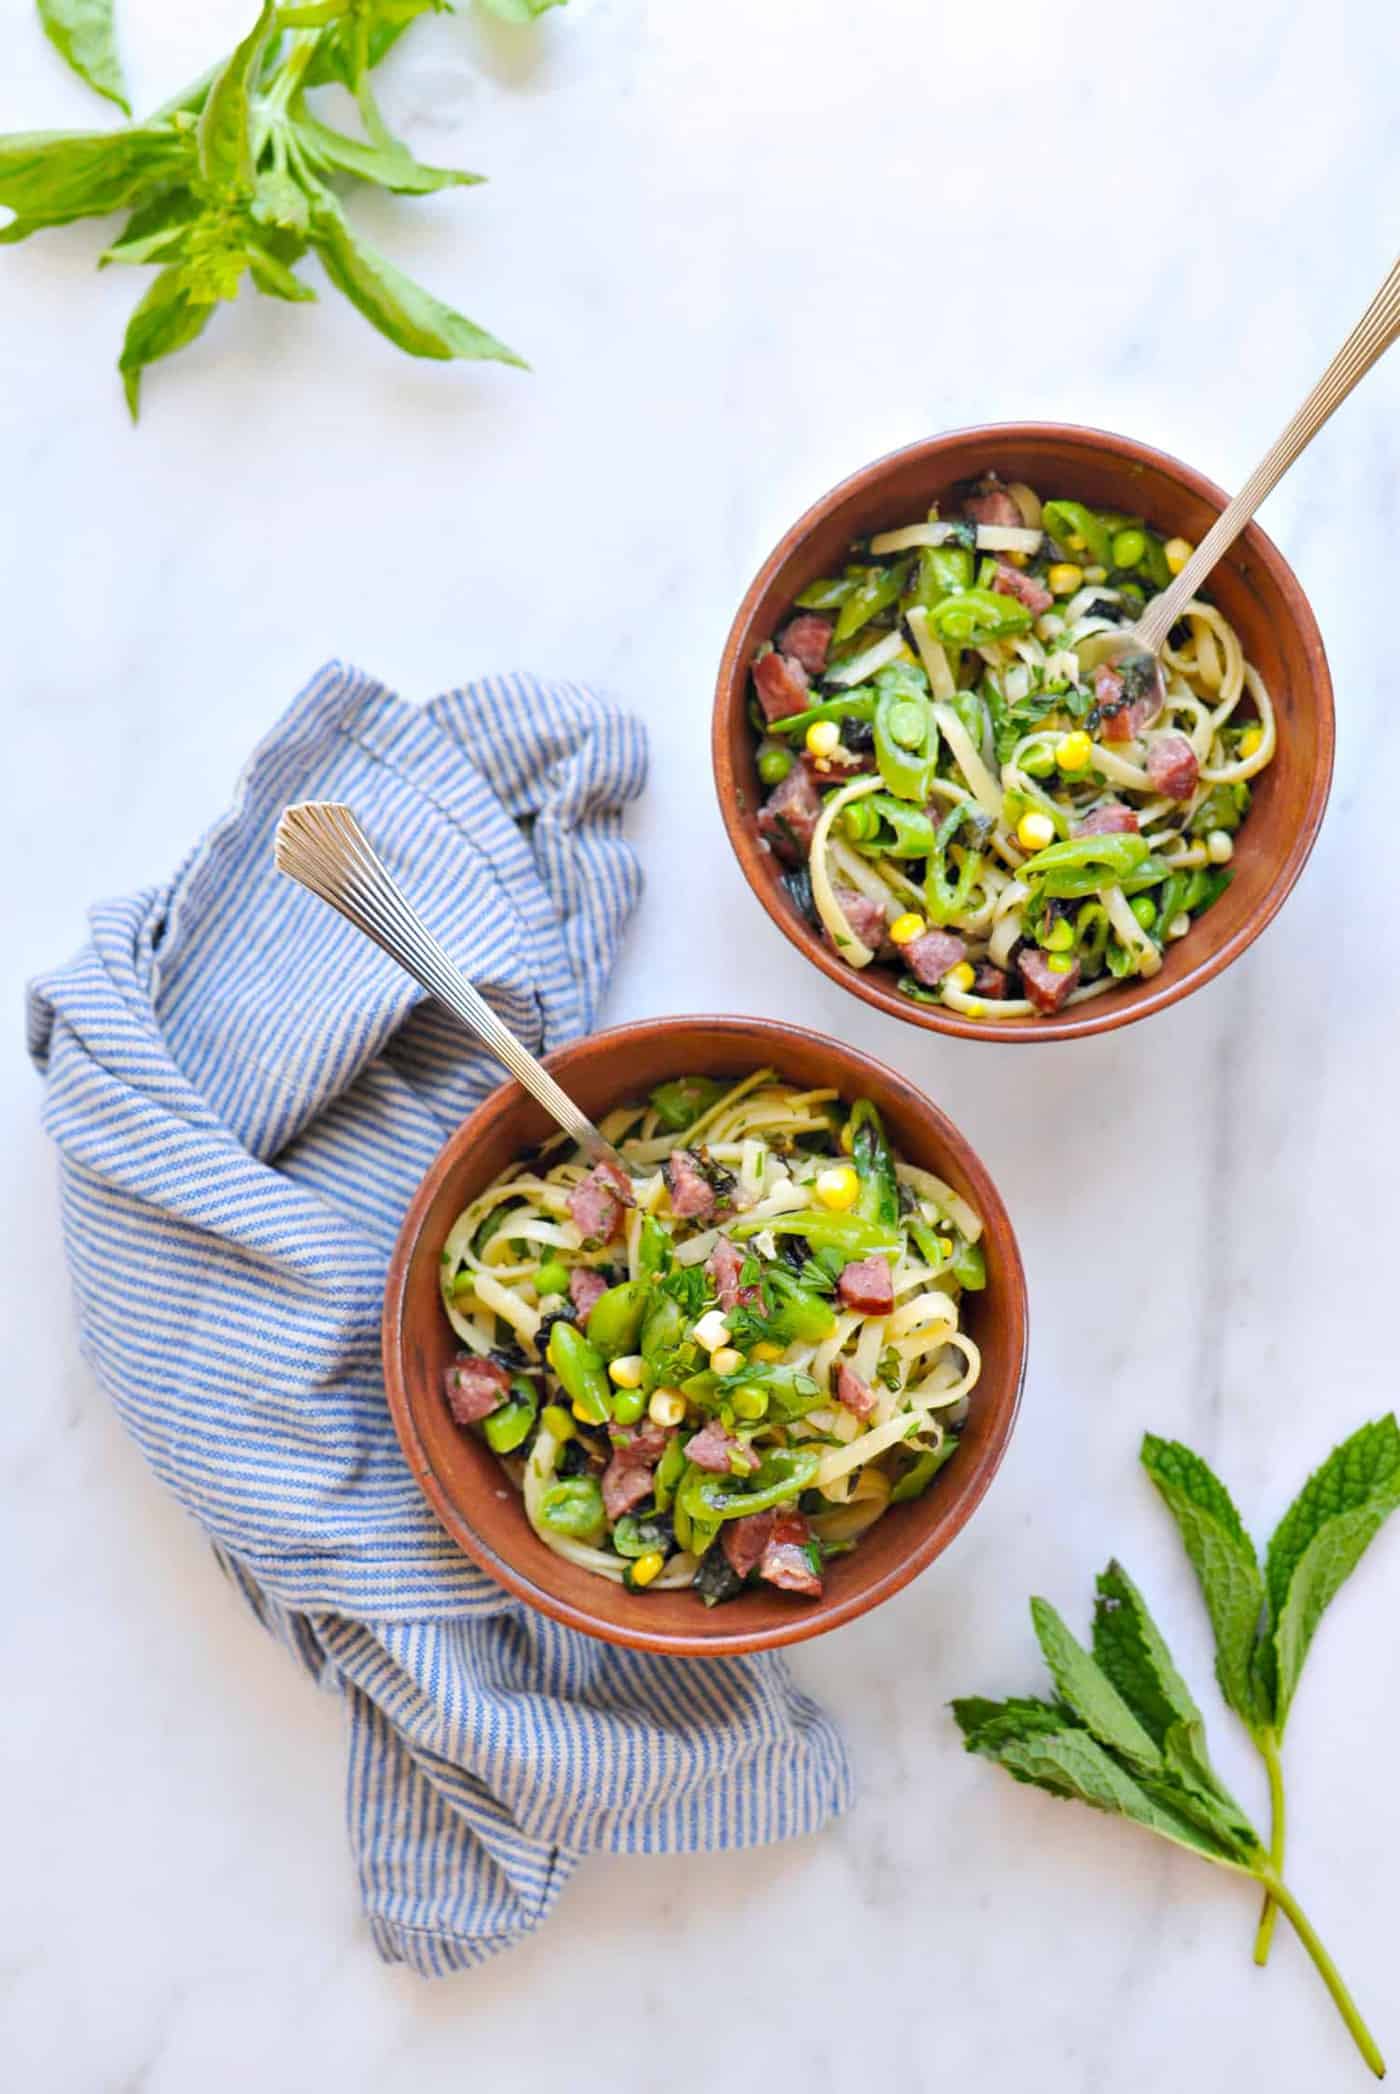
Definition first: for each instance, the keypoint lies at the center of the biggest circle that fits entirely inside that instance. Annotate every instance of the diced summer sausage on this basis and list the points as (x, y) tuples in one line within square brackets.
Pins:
[(785, 1561), (715, 1448), (989, 502), (929, 958), (827, 772), (866, 1284), (597, 1202), (1046, 989), (724, 1265), (1010, 581), (1172, 767), (585, 1286), (692, 1195), (627, 1479), (781, 683), (474, 1388), (1121, 721), (807, 639), (990, 982), (857, 1395), (1111, 819), (790, 814), (866, 918), (639, 1446), (745, 1540)]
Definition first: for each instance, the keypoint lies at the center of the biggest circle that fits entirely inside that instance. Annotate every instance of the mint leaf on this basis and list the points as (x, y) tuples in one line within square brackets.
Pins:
[(1071, 1764), (1131, 1652), (988, 1725), (82, 33), (1224, 1560), (1319, 1542), (1093, 1697)]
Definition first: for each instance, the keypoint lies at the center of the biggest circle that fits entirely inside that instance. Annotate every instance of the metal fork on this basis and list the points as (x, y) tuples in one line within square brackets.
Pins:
[(322, 846)]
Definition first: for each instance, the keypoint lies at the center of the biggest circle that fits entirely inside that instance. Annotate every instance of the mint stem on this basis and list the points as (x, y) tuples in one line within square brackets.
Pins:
[(1331, 1977), (1268, 1742)]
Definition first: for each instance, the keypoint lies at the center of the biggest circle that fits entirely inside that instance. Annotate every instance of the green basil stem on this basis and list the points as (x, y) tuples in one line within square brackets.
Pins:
[(1327, 1970), (1269, 1746)]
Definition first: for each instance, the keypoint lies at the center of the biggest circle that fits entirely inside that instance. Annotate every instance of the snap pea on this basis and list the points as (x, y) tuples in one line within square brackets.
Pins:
[(679, 1103), (906, 737), (1111, 857), (893, 827), (509, 1426), (880, 587), (783, 1473), (970, 1266), (1145, 910), (978, 616), (855, 705), (1224, 807), (663, 1332), (799, 1316), (1204, 888), (830, 594), (878, 1200), (1091, 928), (653, 1247), (944, 570), (915, 1481), (615, 1320), (668, 1473), (847, 1233), (944, 898), (579, 1367), (574, 1507), (634, 1536), (935, 1250), (1078, 530)]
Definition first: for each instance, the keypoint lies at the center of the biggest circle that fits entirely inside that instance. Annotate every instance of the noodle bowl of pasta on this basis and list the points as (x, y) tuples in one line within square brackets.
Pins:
[(947, 784), (734, 1392)]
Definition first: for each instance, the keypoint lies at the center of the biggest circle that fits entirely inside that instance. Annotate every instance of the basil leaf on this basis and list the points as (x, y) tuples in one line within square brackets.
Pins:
[(81, 32), (53, 177), (1224, 1560), (402, 310), (281, 202), (1132, 1653), (1093, 1697), (224, 132), (156, 231), (391, 167), (167, 318), (272, 276), (1319, 1542)]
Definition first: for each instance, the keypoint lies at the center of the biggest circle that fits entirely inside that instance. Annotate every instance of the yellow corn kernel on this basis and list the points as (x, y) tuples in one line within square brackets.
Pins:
[(1251, 741), (1015, 559), (905, 929), (667, 1407), (1074, 751), (1064, 578), (960, 977), (1179, 926), (823, 738), (1178, 552), (975, 1009), (1220, 847), (645, 1568), (1096, 574), (765, 1352), (726, 1359), (712, 1331), (848, 1140), (628, 1371), (556, 1420), (837, 1188), (1034, 831)]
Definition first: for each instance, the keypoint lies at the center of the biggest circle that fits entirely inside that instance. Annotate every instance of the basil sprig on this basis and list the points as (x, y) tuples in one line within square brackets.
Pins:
[(238, 179)]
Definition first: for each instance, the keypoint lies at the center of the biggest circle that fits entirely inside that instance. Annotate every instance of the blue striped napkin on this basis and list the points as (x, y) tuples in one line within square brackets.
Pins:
[(244, 1094)]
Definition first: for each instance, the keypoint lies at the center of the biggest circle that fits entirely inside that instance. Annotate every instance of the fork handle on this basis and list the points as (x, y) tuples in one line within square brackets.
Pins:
[(1368, 341)]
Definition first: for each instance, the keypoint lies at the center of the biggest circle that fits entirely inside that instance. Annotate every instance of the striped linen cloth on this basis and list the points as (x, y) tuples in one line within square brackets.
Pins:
[(244, 1094)]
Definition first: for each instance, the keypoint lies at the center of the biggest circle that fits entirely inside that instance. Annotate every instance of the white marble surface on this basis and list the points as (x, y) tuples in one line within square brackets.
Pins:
[(746, 247)]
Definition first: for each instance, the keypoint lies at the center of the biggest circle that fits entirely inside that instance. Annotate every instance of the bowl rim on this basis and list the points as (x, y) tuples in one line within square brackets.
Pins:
[(1104, 1014), (805, 1622)]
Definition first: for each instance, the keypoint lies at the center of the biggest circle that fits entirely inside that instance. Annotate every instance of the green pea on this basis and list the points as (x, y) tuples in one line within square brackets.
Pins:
[(860, 821), (615, 1320), (552, 1278), (1144, 909), (1128, 548), (774, 765), (581, 1372), (1036, 763), (906, 724), (628, 1405), (574, 1507)]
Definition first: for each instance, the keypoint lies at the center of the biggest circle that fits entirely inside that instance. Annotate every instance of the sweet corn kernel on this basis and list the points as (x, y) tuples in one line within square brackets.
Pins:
[(976, 1009), (1064, 578), (1220, 847), (645, 1568), (667, 1407), (1074, 751), (960, 977), (712, 1330), (1251, 741), (1179, 926), (945, 1246), (1178, 552), (823, 738), (1015, 559), (905, 929), (848, 1140), (1034, 831), (725, 1359), (1096, 574), (556, 1420), (838, 1187), (765, 1352), (628, 1371)]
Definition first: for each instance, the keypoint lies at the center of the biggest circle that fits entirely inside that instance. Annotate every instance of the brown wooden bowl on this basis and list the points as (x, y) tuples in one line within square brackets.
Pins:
[(463, 1481), (1254, 587)]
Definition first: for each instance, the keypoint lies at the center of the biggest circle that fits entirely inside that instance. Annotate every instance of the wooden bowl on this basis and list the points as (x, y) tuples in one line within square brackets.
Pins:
[(462, 1479), (1254, 587)]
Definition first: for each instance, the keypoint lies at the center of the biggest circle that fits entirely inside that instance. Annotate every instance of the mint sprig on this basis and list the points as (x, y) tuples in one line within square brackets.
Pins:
[(1264, 1619)]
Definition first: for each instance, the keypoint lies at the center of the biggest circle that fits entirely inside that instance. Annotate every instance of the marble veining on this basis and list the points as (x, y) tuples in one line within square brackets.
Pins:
[(745, 248)]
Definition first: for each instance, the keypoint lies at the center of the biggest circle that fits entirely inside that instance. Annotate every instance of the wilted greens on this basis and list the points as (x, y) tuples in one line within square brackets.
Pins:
[(239, 178)]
